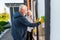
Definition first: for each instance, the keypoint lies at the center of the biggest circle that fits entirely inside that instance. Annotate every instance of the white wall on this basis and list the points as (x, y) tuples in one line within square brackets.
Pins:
[(2, 4), (12, 1), (41, 8), (55, 19)]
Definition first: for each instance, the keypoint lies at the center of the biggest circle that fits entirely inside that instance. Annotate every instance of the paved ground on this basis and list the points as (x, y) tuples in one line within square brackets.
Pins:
[(40, 38), (7, 36)]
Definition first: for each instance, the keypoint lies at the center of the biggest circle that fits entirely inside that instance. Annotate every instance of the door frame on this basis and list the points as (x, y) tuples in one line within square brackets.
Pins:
[(47, 19)]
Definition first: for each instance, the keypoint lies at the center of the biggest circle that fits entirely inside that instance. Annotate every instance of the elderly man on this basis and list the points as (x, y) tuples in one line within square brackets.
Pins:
[(20, 24)]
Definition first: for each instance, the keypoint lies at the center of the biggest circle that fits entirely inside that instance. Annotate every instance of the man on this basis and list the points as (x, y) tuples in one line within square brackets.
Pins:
[(20, 24)]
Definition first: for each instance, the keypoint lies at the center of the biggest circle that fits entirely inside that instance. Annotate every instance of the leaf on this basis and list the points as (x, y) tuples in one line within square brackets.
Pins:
[(4, 17), (2, 23)]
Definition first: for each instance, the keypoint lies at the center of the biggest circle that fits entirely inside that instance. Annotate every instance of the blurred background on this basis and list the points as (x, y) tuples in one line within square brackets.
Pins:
[(9, 7)]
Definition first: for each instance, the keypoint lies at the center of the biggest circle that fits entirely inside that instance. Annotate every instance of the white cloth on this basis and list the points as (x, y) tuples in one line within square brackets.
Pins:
[(30, 20)]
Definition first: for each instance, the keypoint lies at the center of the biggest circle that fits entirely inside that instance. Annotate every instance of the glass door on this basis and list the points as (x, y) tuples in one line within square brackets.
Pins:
[(39, 15)]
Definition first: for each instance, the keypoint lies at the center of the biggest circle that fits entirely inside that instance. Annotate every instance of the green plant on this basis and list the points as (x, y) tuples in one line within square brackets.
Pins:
[(43, 17), (2, 24)]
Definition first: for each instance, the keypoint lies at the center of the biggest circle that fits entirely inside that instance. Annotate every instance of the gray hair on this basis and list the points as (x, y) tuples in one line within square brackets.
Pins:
[(21, 7)]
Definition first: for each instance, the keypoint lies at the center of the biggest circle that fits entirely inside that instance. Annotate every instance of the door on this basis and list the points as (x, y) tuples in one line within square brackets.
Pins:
[(13, 10)]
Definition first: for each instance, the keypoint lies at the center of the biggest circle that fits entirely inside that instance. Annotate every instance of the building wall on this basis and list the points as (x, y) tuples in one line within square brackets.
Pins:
[(2, 4), (55, 19), (12, 1), (41, 8)]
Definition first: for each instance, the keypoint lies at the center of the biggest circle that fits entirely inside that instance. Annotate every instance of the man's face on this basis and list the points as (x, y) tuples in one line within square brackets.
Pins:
[(24, 10)]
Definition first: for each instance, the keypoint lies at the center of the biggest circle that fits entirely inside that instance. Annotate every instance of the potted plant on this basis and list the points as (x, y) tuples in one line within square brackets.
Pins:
[(2, 26), (4, 21)]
